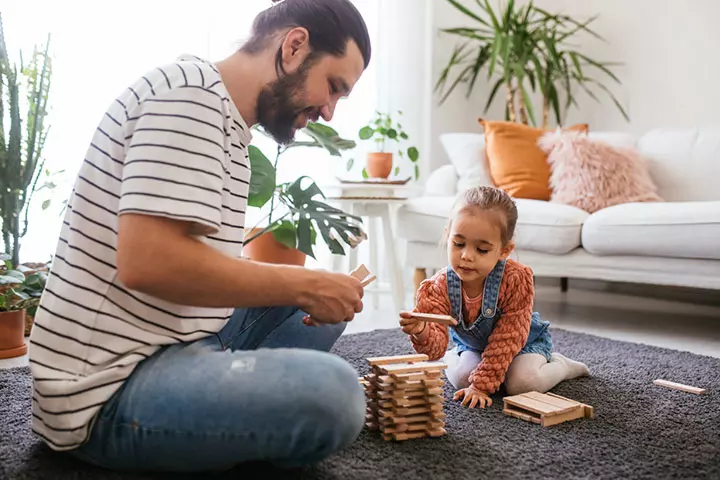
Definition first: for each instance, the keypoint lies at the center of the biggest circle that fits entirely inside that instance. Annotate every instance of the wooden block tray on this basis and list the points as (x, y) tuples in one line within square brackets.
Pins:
[(545, 409)]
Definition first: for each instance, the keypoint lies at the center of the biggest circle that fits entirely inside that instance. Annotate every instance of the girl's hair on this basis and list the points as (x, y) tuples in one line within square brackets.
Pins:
[(488, 198)]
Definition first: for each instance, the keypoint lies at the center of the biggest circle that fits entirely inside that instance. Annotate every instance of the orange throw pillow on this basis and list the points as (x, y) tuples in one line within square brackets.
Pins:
[(515, 161)]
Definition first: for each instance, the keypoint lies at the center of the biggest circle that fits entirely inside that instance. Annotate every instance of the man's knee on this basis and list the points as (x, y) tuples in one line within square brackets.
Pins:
[(337, 402)]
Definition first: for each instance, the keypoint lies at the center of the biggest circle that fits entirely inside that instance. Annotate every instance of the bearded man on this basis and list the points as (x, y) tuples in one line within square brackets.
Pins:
[(156, 346)]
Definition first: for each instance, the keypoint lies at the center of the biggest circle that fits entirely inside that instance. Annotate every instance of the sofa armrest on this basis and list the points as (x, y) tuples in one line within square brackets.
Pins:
[(442, 182)]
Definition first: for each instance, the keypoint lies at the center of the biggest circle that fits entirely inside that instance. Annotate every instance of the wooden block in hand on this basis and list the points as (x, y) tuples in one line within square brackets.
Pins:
[(360, 272), (434, 318)]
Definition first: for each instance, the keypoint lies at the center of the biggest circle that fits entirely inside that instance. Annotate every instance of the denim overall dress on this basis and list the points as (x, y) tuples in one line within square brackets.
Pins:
[(475, 337)]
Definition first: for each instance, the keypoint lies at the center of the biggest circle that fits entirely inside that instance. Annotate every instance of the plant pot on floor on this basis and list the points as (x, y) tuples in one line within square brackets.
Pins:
[(267, 249), (12, 334), (379, 164)]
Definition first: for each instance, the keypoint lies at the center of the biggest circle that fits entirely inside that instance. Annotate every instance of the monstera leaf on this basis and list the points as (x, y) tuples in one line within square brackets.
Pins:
[(262, 178), (328, 138), (311, 215)]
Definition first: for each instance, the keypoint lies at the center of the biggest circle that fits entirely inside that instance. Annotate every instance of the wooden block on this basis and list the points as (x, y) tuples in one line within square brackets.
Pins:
[(414, 402), (360, 272), (413, 367), (404, 436), (434, 318), (438, 432), (545, 409), (378, 361), (527, 402), (415, 427), (407, 377), (680, 386), (368, 281)]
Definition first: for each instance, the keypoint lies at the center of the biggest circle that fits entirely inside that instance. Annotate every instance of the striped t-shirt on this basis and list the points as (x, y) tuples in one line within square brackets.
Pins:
[(173, 144)]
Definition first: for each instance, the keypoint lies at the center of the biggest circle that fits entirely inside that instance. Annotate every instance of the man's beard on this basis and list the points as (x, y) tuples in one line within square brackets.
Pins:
[(277, 107)]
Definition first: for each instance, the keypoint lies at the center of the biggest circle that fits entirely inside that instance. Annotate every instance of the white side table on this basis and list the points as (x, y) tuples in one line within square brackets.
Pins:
[(374, 201)]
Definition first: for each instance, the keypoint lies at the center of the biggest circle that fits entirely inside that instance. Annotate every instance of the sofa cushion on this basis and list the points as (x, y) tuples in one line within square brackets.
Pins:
[(591, 174), (668, 229), (542, 226), (515, 161), (684, 163), (466, 152)]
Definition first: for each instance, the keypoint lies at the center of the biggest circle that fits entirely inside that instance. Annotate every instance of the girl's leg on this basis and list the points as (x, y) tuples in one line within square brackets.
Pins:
[(532, 372), (460, 367), (201, 407)]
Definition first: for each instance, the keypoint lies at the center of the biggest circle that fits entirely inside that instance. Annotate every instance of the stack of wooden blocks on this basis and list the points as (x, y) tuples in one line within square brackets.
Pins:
[(405, 397)]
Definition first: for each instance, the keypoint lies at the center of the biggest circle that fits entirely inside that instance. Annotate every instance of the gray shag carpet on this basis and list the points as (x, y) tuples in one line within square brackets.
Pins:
[(640, 430)]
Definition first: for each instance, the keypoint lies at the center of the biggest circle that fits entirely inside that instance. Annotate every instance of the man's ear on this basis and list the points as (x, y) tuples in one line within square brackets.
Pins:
[(295, 47), (507, 250)]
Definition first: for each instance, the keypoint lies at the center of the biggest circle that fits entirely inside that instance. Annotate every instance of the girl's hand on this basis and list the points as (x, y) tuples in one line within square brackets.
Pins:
[(410, 325), (473, 397)]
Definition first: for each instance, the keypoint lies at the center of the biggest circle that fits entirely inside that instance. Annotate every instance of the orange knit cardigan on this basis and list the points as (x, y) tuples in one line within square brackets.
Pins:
[(507, 338)]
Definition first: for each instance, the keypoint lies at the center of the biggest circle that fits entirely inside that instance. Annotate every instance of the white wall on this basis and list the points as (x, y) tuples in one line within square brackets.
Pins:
[(669, 78)]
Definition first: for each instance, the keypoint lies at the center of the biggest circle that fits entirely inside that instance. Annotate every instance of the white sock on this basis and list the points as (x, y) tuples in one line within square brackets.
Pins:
[(574, 368)]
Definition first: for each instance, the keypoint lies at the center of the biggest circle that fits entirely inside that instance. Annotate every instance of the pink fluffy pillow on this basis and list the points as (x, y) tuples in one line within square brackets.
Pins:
[(592, 175)]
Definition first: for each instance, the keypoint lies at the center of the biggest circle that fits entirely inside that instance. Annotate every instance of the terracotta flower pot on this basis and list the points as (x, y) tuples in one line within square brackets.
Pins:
[(268, 250), (12, 334), (379, 164)]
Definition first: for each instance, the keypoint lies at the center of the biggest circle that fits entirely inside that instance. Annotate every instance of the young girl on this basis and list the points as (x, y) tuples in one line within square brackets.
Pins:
[(499, 339)]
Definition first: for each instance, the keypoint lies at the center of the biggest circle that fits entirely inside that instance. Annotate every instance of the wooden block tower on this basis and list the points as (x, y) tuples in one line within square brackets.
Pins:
[(405, 397)]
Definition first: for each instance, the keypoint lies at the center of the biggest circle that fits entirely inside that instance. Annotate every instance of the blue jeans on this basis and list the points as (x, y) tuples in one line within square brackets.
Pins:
[(263, 389)]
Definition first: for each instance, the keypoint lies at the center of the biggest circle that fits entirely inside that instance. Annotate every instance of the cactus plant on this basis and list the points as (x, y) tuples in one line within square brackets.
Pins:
[(22, 163)]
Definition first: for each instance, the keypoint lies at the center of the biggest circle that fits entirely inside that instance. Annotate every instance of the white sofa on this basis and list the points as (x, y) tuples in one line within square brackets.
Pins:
[(675, 242)]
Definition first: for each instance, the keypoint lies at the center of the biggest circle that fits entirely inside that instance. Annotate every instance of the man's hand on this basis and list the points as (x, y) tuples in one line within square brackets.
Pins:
[(410, 325), (473, 397), (331, 298)]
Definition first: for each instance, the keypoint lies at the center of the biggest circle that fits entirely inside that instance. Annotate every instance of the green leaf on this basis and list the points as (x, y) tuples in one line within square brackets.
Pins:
[(492, 94), (404, 136), (310, 214), (413, 154), (328, 138), (365, 173), (20, 294), (467, 12), (528, 104), (349, 164), (397, 171), (392, 133), (262, 178), (10, 279), (366, 132), (46, 204), (599, 65), (286, 233), (417, 172)]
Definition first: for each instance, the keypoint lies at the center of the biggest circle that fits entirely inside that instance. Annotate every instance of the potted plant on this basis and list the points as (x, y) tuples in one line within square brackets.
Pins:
[(383, 130), (22, 172), (20, 293), (296, 212), (523, 47)]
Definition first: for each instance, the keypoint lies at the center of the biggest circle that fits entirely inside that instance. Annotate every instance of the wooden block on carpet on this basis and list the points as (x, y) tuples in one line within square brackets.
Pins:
[(405, 397), (545, 409), (680, 386)]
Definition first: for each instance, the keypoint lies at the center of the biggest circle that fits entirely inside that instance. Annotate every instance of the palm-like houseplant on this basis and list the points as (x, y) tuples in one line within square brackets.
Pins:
[(524, 49), (296, 210)]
